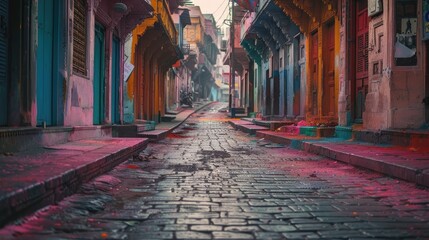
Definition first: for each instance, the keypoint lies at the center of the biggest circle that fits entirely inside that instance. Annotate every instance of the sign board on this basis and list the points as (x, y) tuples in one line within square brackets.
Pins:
[(425, 24), (128, 69)]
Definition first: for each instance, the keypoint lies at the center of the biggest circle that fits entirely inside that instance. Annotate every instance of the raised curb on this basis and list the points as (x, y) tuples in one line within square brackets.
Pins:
[(154, 135), (247, 127), (42, 193), (161, 133), (408, 171)]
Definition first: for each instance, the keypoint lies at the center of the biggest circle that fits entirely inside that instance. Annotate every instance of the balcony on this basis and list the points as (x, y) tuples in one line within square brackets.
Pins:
[(164, 16), (246, 23)]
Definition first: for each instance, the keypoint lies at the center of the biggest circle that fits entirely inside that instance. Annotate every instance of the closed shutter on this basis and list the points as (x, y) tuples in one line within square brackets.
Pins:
[(79, 37), (362, 40), (4, 23)]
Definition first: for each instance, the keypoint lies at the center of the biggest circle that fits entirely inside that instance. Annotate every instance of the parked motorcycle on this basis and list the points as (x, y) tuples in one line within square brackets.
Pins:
[(186, 98)]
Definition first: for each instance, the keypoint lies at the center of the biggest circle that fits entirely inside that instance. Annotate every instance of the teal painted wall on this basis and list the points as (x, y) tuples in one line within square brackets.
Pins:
[(115, 80)]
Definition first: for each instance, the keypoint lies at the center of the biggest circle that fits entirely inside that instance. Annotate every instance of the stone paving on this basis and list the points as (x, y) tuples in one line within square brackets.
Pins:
[(208, 181)]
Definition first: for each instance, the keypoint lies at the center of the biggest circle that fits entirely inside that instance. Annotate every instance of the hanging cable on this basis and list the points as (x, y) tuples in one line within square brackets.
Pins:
[(226, 7), (220, 6)]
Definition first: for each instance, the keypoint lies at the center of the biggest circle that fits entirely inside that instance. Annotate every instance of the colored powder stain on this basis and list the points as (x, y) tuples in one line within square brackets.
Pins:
[(104, 235), (174, 135), (133, 166)]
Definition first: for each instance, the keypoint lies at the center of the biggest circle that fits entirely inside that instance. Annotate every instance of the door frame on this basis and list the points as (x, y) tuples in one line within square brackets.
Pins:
[(351, 72), (99, 82), (115, 87)]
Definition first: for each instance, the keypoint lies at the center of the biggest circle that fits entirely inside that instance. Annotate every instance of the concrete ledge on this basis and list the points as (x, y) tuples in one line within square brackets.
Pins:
[(246, 127), (124, 130), (154, 135), (25, 138), (58, 175), (317, 131), (399, 163), (344, 132)]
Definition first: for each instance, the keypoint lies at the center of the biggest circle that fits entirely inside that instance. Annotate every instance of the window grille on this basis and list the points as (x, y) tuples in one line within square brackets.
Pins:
[(79, 37)]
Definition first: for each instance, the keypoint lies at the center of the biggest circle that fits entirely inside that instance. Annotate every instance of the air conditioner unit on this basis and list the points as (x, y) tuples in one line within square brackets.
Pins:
[(375, 7)]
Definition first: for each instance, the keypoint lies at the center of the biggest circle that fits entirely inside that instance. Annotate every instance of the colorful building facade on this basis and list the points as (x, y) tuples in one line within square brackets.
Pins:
[(355, 67), (66, 65), (275, 45), (154, 51), (388, 83)]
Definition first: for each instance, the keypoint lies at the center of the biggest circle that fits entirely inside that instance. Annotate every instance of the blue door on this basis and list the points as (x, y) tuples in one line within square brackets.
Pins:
[(45, 62), (4, 10), (115, 80), (99, 75)]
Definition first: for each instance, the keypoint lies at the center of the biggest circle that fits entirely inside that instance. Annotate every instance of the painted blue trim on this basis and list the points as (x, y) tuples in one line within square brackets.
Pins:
[(45, 63), (115, 80), (99, 75)]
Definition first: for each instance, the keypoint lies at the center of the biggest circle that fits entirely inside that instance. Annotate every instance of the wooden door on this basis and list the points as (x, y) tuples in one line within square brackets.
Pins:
[(4, 60), (45, 51), (361, 82), (328, 97), (314, 71), (99, 75)]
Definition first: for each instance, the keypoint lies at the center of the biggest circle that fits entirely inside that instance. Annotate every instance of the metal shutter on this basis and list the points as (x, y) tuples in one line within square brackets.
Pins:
[(4, 24)]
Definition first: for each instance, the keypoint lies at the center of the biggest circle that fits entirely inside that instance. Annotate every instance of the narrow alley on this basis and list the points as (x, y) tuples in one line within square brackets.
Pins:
[(209, 181)]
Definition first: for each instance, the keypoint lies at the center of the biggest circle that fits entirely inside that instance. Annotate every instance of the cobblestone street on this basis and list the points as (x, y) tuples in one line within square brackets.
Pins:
[(209, 181)]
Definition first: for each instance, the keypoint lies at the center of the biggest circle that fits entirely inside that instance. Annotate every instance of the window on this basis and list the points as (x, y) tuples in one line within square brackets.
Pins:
[(79, 37), (406, 33)]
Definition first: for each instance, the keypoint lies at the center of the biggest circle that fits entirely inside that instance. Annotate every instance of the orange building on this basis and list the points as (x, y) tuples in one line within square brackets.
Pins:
[(154, 50)]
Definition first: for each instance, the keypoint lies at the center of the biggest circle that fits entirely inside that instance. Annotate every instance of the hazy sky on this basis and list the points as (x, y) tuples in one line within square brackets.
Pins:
[(219, 8)]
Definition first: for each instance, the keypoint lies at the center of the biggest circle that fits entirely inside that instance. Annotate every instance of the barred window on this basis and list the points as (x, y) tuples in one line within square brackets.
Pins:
[(79, 37)]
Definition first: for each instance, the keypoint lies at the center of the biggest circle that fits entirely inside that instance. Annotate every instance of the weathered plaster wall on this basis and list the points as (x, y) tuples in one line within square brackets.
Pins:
[(395, 92), (377, 104), (79, 89), (408, 87), (128, 100)]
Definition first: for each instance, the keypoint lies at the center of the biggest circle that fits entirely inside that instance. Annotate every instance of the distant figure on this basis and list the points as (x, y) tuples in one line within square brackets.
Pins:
[(408, 30)]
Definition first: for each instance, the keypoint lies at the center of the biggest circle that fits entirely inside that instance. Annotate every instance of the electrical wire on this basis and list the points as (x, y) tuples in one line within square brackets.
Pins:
[(220, 6), (226, 7)]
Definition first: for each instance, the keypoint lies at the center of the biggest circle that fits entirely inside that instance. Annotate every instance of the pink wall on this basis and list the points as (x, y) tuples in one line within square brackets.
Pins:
[(395, 93)]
